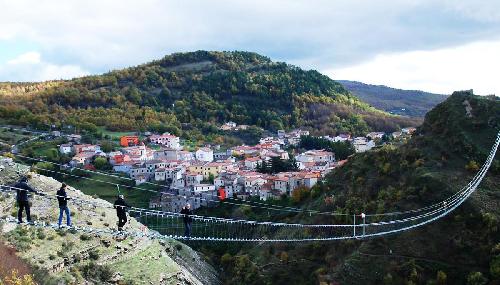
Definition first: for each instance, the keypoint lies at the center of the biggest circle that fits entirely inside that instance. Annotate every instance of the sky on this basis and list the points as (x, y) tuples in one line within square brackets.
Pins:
[(432, 45)]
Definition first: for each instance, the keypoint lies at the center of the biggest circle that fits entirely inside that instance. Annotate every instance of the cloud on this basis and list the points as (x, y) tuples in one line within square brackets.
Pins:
[(98, 36), (25, 58), (471, 66), (29, 66)]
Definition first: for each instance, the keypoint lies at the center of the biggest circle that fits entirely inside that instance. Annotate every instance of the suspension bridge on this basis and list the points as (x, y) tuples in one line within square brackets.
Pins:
[(169, 225)]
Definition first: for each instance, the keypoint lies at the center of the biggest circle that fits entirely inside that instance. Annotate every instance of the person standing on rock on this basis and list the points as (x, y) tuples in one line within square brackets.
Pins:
[(186, 211), (62, 198), (22, 189), (121, 211)]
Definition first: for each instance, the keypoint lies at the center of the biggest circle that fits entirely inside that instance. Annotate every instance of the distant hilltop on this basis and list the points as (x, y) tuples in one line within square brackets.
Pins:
[(189, 94), (412, 103)]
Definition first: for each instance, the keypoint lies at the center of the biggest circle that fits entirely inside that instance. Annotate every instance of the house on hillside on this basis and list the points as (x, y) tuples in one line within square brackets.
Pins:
[(124, 167), (362, 144), (408, 131), (281, 184), (198, 188), (126, 141), (375, 135), (79, 148), (74, 138), (252, 162), (193, 178), (81, 159), (166, 139), (139, 153), (205, 154), (66, 148), (316, 156)]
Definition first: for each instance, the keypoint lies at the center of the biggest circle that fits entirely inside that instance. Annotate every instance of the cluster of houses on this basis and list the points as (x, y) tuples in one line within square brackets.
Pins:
[(232, 126), (362, 144), (204, 176)]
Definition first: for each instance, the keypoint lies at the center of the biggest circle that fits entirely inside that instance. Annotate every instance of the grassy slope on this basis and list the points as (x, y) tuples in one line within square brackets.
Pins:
[(428, 169), (458, 244), (44, 248)]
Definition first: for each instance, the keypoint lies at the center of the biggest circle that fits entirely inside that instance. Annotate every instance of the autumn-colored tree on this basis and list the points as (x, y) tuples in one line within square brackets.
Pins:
[(16, 279), (472, 166), (300, 193)]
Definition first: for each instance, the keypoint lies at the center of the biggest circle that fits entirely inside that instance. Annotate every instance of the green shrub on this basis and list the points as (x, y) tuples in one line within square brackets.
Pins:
[(93, 271), (85, 237), (495, 267), (441, 278), (94, 254), (41, 234), (476, 278), (472, 166)]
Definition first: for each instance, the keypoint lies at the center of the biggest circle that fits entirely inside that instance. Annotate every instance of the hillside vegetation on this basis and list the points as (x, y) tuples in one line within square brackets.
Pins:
[(73, 257), (462, 248), (190, 93), (413, 103)]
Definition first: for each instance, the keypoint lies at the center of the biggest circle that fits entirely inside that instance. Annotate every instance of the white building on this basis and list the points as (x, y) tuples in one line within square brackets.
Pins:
[(339, 138), (192, 178), (65, 148), (167, 140), (281, 184), (375, 135), (362, 144), (252, 162), (316, 156), (205, 154), (174, 174), (408, 131), (203, 188), (124, 167)]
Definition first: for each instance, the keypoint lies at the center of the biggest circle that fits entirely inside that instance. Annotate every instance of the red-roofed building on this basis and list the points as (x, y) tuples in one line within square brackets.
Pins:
[(126, 141), (252, 162)]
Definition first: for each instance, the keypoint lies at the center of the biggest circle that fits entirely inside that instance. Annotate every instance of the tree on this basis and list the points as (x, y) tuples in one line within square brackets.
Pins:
[(342, 150), (45, 168), (284, 257), (300, 193), (16, 279), (476, 278), (495, 267), (101, 163), (472, 166), (441, 278), (107, 146), (53, 154)]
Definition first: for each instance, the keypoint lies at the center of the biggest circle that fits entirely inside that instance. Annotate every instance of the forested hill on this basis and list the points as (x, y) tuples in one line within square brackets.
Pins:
[(190, 93), (461, 248), (413, 103)]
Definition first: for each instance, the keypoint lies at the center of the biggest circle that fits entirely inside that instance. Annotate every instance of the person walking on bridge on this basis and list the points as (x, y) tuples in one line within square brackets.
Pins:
[(23, 189), (63, 198), (186, 211), (121, 211)]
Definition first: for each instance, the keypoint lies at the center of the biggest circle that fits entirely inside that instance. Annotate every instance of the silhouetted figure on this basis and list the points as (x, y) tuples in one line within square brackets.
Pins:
[(62, 198), (186, 211), (22, 198), (121, 211)]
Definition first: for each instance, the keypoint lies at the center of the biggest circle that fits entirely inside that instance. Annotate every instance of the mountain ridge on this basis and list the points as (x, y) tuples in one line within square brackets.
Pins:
[(191, 93), (413, 103)]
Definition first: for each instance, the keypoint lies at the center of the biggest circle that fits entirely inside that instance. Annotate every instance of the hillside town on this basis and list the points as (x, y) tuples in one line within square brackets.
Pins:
[(208, 174)]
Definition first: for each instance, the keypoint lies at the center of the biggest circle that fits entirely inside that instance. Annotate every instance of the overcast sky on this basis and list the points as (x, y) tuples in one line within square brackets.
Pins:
[(432, 45)]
